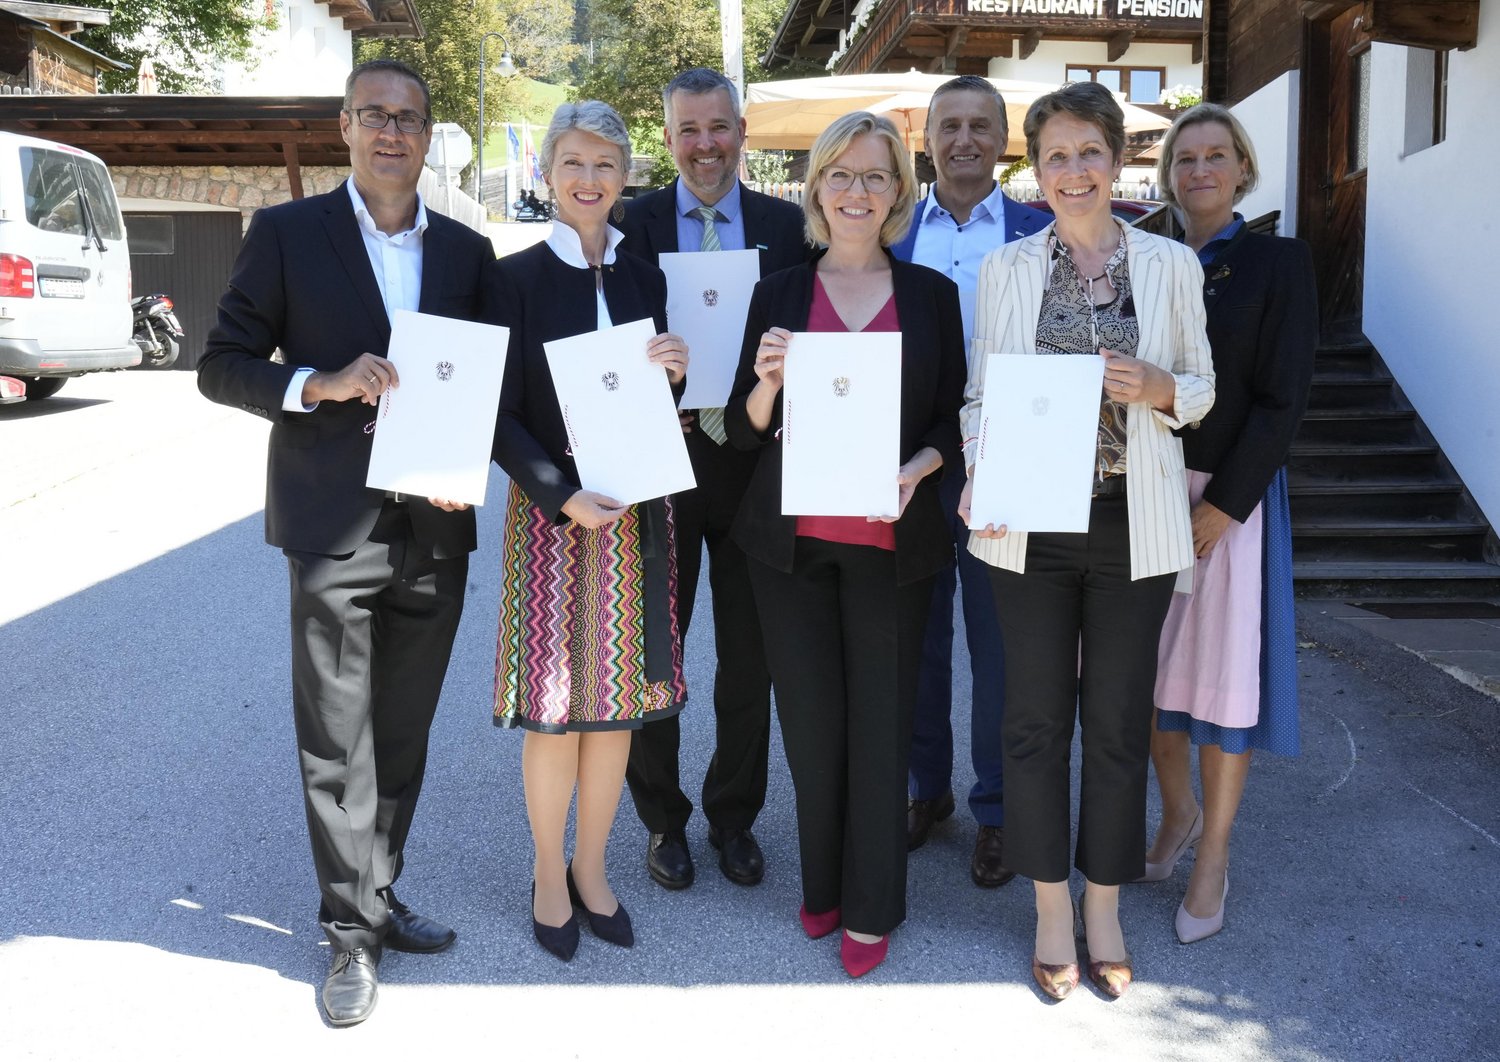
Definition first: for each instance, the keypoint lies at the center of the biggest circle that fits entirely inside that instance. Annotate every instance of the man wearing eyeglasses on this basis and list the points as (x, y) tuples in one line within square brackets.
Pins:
[(377, 579), (963, 219)]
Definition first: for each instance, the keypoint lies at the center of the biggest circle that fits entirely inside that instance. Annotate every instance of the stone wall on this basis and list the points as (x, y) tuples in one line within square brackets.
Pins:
[(245, 187)]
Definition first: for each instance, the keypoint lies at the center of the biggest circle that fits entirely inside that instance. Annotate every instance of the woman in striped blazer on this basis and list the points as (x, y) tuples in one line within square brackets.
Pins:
[(1081, 614)]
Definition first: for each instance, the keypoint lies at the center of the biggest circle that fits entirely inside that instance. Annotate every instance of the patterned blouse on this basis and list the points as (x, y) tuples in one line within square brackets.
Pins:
[(1070, 323)]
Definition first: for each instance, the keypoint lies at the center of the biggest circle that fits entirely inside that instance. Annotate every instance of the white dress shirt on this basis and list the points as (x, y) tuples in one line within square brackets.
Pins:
[(567, 246), (397, 262), (957, 251)]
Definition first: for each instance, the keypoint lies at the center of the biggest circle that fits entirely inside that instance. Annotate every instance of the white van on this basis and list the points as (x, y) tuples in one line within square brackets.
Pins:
[(64, 266)]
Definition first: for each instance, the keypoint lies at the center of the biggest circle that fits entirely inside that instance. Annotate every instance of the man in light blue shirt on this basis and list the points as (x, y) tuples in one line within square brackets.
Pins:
[(964, 218)]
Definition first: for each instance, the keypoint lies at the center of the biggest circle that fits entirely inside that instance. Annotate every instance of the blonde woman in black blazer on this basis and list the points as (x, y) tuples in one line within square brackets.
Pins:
[(843, 601), (1227, 677)]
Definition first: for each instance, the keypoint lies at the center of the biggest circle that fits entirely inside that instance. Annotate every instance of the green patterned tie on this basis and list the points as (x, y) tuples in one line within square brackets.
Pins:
[(712, 419)]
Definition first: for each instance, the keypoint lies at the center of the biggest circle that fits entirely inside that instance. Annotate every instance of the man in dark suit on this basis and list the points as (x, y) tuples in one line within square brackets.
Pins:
[(377, 580), (965, 217), (708, 209)]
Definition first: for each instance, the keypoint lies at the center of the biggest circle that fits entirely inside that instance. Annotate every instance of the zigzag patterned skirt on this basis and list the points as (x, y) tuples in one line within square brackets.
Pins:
[(588, 621)]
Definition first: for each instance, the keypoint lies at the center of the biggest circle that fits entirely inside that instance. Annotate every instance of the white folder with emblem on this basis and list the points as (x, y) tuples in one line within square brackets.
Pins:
[(841, 424), (435, 431), (708, 297), (619, 413), (1038, 435)]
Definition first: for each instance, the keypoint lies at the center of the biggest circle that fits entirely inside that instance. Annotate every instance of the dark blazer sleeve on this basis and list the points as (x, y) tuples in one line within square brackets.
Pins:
[(952, 371), (236, 367), (1280, 381), (517, 451)]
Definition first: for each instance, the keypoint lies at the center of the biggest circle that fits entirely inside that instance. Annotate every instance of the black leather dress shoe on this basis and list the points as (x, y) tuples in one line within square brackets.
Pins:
[(350, 991), (740, 857), (921, 815), (411, 932), (986, 868), (668, 860)]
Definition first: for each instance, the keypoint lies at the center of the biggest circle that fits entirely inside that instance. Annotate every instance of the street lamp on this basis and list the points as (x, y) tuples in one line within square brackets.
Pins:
[(506, 67)]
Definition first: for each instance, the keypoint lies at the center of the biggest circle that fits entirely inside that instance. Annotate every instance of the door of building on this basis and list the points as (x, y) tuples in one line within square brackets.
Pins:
[(1336, 117), (187, 255)]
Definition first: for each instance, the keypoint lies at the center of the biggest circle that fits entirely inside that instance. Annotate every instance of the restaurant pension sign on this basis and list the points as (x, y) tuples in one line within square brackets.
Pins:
[(1138, 14)]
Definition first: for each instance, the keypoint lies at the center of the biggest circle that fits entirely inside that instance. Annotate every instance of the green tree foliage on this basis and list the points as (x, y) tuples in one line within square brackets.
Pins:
[(539, 33), (634, 47), (186, 40)]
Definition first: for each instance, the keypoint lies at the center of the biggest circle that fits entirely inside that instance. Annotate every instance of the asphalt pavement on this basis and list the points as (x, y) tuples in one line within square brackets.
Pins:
[(157, 899)]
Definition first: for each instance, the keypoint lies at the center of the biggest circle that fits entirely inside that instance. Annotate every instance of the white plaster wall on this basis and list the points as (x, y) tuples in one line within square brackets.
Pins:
[(309, 53), (1270, 117), (1049, 63), (1433, 223)]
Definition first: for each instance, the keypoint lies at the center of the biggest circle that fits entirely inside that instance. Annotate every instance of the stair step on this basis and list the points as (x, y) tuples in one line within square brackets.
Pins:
[(1405, 580), (1356, 392), (1300, 488), (1327, 448), (1394, 570), (1358, 413), (1375, 527)]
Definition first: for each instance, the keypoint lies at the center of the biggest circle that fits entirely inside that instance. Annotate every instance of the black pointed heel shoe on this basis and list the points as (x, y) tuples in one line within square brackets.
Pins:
[(562, 940), (615, 928)]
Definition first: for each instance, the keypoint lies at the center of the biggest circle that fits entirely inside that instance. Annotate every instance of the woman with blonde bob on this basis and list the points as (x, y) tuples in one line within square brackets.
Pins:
[(1227, 677), (843, 600)]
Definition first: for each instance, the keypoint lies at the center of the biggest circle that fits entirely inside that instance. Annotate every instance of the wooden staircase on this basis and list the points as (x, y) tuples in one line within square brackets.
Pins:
[(1377, 511)]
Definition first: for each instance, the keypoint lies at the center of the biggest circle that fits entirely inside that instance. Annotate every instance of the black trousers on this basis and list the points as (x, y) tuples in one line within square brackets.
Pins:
[(371, 635), (734, 789), (845, 645), (1076, 597)]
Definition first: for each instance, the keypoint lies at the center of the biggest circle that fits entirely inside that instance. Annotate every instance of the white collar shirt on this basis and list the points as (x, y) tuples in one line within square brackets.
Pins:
[(957, 251), (568, 247)]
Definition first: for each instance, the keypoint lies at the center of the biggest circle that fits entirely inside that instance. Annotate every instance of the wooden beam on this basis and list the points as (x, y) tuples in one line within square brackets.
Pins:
[(293, 169), (1119, 44), (1436, 24), (1197, 50), (956, 37), (829, 22), (1029, 41), (211, 138)]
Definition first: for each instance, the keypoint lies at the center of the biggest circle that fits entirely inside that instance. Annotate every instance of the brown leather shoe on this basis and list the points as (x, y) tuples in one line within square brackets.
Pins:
[(986, 868), (922, 815)]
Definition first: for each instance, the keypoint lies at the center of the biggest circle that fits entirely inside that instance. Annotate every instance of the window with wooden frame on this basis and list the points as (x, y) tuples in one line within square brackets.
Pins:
[(1138, 84), (1426, 98)]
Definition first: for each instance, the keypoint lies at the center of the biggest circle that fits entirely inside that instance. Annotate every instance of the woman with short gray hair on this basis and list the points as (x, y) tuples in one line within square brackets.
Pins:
[(588, 647)]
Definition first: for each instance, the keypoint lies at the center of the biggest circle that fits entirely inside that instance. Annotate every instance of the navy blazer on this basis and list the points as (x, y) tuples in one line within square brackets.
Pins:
[(1261, 297), (1020, 220), (303, 283), (772, 226), (932, 384), (542, 298)]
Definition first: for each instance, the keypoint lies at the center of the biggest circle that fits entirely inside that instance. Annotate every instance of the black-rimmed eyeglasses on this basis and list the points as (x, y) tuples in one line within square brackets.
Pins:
[(375, 118)]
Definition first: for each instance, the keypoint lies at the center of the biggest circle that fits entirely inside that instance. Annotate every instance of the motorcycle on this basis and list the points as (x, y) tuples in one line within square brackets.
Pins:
[(531, 210), (157, 331)]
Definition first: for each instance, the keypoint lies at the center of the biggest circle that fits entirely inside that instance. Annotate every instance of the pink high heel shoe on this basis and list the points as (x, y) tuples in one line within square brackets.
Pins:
[(1163, 871)]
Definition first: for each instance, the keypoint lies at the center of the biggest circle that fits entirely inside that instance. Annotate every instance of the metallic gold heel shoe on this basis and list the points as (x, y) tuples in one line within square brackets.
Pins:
[(1163, 871), (1058, 980), (1191, 929), (1111, 978)]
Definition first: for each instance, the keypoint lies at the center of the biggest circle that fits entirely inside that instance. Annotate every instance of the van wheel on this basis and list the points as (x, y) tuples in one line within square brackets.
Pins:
[(43, 386)]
